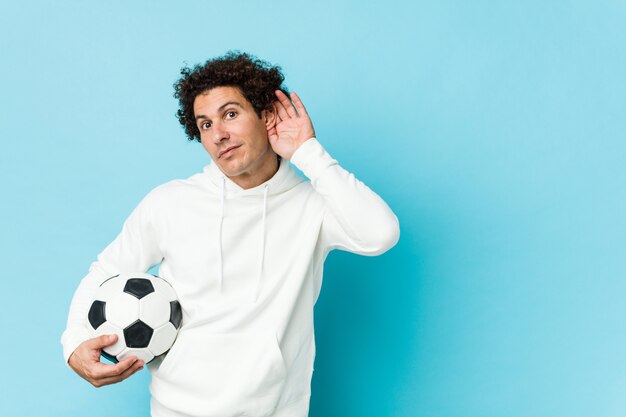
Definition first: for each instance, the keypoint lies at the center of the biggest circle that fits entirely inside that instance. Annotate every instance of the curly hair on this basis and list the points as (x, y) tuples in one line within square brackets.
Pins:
[(256, 79)]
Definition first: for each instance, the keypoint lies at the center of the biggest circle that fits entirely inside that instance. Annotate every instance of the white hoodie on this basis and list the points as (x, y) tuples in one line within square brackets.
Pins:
[(247, 267)]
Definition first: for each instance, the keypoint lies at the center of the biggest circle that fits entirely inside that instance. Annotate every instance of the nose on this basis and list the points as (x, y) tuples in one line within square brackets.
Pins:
[(220, 132)]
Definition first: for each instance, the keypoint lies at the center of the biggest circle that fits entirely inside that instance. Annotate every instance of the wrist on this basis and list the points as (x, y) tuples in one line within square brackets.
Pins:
[(302, 145), (312, 159)]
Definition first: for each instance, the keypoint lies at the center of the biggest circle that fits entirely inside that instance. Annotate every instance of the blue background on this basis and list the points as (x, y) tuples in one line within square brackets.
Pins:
[(495, 130)]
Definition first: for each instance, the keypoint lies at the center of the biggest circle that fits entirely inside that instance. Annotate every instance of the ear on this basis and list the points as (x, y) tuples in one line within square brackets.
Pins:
[(269, 117)]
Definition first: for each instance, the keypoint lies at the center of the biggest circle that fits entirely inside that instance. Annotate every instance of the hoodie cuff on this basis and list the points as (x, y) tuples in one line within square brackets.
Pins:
[(312, 159)]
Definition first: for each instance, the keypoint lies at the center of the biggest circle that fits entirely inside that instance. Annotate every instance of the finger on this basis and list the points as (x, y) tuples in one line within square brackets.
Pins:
[(281, 111), (280, 94), (298, 103), (136, 367), (287, 104), (119, 378), (101, 370)]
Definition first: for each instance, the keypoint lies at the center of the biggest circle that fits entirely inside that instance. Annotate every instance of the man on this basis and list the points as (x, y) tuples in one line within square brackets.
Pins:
[(243, 243)]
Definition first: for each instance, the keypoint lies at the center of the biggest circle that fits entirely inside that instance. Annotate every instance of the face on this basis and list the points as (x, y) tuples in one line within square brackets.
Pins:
[(235, 136)]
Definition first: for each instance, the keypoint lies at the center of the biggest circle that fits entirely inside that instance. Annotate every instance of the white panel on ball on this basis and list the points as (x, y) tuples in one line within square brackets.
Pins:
[(110, 288), (122, 310), (143, 354), (162, 339), (164, 288), (154, 309)]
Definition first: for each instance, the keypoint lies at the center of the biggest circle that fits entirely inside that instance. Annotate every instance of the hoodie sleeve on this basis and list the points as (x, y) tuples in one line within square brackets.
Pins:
[(134, 249), (356, 218)]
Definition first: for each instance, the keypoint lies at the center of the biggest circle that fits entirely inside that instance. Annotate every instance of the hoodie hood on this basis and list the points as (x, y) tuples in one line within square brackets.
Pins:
[(283, 180)]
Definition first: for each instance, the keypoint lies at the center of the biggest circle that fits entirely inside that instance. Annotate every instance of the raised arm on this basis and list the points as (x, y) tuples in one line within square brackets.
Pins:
[(356, 218)]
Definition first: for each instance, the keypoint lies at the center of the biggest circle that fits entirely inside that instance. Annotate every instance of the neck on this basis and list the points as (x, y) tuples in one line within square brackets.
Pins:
[(265, 172)]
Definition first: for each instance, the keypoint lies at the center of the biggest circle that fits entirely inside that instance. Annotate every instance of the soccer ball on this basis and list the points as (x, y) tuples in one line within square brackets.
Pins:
[(142, 310)]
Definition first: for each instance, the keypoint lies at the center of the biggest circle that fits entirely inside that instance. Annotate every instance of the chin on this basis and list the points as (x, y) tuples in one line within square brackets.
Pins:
[(230, 171)]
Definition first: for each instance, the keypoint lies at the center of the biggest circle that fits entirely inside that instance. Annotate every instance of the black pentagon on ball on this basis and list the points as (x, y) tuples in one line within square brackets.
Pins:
[(176, 314), (96, 314), (138, 335), (138, 287)]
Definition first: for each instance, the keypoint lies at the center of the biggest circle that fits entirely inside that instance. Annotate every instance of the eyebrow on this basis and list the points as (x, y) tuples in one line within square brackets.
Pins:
[(228, 103)]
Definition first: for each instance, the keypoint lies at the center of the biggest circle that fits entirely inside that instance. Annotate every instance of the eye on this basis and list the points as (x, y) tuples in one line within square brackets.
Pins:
[(205, 125), (231, 114)]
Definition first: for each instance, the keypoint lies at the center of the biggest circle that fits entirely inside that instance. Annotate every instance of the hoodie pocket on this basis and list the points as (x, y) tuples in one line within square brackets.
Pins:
[(226, 374)]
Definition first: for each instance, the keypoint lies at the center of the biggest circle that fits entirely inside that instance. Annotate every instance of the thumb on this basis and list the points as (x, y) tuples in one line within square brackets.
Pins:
[(103, 341)]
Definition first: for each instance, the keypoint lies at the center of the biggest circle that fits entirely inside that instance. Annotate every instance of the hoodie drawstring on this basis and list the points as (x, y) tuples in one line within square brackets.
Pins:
[(263, 223), (263, 230)]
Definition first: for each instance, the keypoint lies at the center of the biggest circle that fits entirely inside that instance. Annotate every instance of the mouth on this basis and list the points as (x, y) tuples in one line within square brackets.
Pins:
[(227, 152)]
